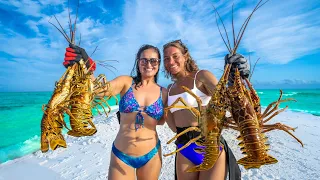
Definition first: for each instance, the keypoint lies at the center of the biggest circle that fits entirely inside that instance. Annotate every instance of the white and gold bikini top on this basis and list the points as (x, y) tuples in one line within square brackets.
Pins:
[(190, 100)]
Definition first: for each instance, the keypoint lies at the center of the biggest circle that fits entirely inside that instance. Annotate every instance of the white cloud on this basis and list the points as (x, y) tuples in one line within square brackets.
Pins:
[(26, 7), (277, 34), (280, 37)]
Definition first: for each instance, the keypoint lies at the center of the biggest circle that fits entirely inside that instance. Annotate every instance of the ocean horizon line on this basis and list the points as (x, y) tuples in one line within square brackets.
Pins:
[(255, 89)]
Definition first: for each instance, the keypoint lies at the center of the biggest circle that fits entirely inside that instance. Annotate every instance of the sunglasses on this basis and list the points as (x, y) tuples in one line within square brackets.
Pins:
[(152, 61)]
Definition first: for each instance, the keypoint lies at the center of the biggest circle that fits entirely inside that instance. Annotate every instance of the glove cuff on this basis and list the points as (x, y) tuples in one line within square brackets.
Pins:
[(91, 65)]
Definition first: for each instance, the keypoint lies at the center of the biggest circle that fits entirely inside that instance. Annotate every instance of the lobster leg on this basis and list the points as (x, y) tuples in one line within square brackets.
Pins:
[(183, 132), (276, 103), (211, 151), (276, 113), (282, 127), (229, 123), (183, 147), (186, 106), (105, 111)]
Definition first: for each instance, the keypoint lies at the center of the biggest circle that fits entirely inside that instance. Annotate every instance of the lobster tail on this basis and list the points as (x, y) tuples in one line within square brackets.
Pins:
[(53, 140), (249, 162), (51, 128), (58, 141), (87, 132)]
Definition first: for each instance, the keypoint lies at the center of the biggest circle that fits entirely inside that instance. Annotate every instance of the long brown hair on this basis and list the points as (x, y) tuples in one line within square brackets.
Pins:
[(190, 64)]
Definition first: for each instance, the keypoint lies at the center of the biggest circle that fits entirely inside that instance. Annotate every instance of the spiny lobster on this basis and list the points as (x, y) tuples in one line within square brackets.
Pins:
[(211, 121), (246, 111), (52, 121), (250, 122), (74, 94)]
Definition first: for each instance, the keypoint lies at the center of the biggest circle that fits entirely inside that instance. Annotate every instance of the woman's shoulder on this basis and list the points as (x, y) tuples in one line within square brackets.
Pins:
[(204, 72), (205, 75)]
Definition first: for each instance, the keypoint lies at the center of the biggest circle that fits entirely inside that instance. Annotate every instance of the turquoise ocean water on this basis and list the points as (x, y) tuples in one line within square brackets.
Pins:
[(20, 116), (20, 119)]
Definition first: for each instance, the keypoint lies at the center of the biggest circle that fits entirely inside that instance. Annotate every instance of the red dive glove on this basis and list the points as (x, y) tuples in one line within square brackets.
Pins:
[(74, 54)]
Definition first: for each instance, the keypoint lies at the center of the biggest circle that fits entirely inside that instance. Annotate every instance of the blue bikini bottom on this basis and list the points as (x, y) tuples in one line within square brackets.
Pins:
[(193, 156), (136, 161), (189, 152)]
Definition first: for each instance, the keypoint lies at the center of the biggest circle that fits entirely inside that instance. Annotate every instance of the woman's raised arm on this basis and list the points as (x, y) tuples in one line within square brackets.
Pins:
[(116, 86)]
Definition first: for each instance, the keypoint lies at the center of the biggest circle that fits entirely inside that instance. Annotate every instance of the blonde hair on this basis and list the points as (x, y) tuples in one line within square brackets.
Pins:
[(190, 64)]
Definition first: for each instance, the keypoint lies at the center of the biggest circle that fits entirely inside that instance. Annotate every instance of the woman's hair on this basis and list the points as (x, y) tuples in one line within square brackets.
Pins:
[(135, 73), (190, 64)]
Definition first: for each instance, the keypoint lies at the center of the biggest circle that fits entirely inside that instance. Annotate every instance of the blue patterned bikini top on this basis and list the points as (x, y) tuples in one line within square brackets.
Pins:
[(128, 104)]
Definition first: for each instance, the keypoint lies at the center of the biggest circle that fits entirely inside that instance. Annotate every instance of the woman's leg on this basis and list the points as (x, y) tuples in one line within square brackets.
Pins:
[(182, 165), (151, 170), (218, 171), (120, 170)]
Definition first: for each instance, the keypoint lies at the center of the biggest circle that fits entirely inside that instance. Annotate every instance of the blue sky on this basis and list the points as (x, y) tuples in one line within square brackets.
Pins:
[(284, 34)]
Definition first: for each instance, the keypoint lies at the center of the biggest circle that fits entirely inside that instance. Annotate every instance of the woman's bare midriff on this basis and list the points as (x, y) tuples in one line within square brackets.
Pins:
[(136, 143), (184, 118)]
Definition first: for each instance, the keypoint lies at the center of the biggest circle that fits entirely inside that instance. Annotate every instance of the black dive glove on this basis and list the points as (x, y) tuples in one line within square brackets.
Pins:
[(237, 61)]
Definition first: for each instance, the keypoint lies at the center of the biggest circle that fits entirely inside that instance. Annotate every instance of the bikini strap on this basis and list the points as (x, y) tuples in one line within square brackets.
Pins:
[(161, 92), (195, 78), (170, 88)]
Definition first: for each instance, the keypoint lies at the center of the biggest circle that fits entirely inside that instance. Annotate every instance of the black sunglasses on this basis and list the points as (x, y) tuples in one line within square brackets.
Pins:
[(153, 61)]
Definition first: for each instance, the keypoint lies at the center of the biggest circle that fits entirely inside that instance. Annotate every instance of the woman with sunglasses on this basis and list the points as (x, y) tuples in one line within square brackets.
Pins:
[(136, 151), (180, 66)]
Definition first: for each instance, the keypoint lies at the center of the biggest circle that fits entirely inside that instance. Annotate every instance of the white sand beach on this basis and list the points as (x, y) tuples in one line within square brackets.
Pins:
[(88, 157)]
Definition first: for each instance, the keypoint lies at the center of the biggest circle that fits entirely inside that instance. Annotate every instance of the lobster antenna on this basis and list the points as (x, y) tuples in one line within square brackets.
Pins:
[(75, 21), (80, 39), (248, 18), (218, 69), (108, 67), (250, 64), (102, 61), (221, 35), (246, 24), (223, 26), (64, 35), (234, 38), (94, 51), (70, 26), (62, 28), (254, 68)]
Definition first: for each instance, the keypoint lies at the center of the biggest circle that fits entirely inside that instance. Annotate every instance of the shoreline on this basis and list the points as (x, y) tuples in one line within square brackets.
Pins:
[(114, 109), (88, 157), (32, 144)]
